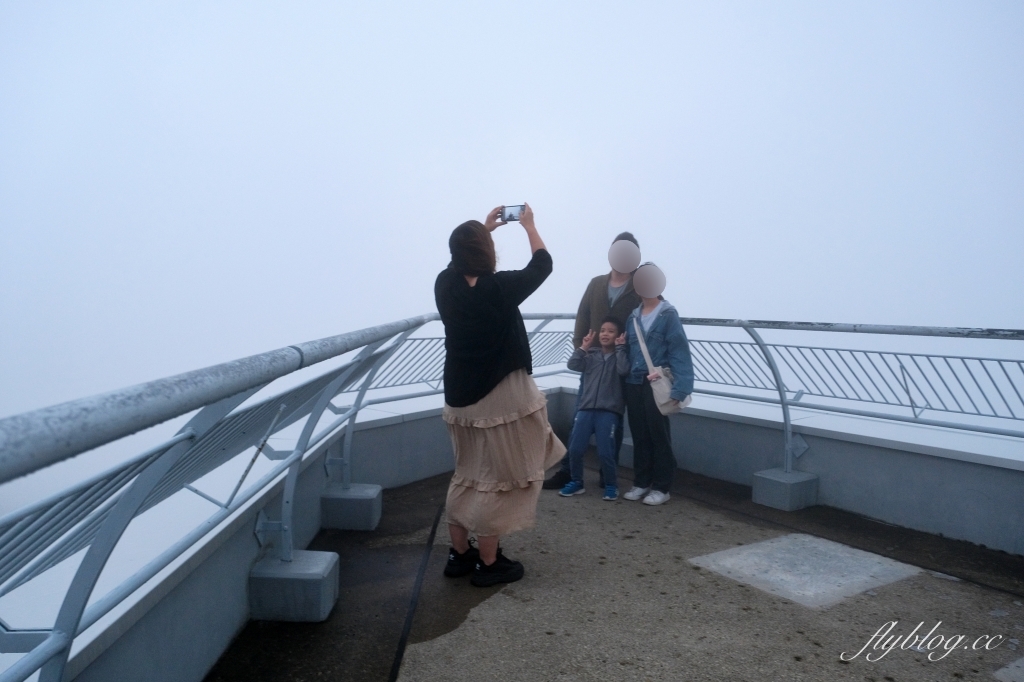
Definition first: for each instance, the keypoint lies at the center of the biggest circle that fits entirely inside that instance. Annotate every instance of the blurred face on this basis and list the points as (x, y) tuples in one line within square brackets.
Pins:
[(649, 281), (607, 334), (624, 256)]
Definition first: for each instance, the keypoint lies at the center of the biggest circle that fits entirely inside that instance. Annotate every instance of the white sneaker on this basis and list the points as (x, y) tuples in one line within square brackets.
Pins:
[(635, 493), (656, 497)]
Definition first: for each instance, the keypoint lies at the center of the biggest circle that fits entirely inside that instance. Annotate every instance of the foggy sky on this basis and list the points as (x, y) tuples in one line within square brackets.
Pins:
[(186, 183)]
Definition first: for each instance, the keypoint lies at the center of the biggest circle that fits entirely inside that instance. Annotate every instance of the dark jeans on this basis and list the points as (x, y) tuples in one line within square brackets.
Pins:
[(653, 461), (605, 426), (564, 464)]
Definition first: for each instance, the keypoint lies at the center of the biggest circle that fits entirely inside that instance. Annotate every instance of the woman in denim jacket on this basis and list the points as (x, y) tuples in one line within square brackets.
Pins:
[(653, 461)]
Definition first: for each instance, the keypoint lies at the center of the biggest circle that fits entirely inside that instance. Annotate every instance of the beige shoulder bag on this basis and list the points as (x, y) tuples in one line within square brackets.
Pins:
[(662, 386)]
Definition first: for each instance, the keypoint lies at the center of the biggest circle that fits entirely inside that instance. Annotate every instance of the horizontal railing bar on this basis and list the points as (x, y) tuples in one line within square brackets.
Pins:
[(843, 410), (554, 372), (899, 330), (208, 498), (863, 350), (35, 659), (549, 316), (865, 413), (33, 440)]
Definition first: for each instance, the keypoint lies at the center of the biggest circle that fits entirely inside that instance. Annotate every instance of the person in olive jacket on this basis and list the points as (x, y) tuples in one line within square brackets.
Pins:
[(607, 295)]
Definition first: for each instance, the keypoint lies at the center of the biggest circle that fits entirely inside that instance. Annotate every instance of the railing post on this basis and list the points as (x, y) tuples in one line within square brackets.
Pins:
[(346, 450), (787, 427), (285, 547), (115, 524)]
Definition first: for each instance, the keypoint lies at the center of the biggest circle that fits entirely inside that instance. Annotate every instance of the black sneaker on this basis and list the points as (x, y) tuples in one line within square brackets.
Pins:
[(558, 481), (461, 564), (503, 570)]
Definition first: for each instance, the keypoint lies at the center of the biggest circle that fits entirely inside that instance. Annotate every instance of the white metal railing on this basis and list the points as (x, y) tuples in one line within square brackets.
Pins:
[(387, 363)]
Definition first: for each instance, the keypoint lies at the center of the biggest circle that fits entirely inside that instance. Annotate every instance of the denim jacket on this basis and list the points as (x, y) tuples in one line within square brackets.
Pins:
[(667, 344)]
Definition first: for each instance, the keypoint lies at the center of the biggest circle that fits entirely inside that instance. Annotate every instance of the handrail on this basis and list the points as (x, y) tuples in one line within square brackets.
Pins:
[(894, 329), (37, 439)]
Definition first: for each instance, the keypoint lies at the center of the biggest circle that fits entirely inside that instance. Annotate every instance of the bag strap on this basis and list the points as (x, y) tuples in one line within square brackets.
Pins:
[(643, 346)]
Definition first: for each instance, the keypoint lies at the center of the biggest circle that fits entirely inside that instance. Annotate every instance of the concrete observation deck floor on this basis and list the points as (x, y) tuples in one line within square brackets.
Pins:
[(613, 591)]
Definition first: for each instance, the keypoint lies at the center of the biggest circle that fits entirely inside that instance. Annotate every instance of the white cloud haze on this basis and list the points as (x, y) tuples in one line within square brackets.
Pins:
[(187, 183)]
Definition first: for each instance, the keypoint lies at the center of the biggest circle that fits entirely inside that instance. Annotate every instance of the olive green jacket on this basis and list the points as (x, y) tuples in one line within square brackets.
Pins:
[(594, 307)]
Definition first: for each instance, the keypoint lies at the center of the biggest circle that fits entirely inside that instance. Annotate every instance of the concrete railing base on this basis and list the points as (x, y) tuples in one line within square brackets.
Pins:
[(357, 507), (303, 590), (786, 491)]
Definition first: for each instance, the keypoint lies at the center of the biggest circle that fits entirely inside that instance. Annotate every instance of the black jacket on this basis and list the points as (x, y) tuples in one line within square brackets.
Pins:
[(485, 338)]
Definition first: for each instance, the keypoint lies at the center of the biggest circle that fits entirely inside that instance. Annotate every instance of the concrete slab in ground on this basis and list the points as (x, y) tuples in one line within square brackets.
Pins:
[(1011, 673), (805, 569)]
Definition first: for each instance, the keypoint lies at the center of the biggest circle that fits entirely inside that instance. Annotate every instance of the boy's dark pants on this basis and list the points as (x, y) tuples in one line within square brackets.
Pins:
[(653, 461)]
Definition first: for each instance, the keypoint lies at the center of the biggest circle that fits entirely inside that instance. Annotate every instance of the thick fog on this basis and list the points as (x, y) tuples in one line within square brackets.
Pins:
[(186, 183)]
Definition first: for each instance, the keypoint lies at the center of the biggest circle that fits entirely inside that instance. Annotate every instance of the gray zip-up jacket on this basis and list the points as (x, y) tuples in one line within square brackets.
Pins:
[(602, 377)]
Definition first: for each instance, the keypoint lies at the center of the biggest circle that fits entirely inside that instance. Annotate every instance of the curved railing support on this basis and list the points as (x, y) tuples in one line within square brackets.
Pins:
[(124, 510), (285, 548), (346, 451), (781, 387)]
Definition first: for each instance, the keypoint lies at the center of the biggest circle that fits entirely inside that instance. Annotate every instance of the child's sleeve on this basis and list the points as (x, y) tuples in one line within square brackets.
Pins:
[(621, 360), (577, 361)]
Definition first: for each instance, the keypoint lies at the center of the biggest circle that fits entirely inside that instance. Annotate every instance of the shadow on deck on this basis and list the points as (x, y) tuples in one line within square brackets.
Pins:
[(610, 593)]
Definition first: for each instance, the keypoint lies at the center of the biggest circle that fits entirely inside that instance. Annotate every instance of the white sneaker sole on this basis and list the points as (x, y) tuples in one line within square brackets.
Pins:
[(648, 501)]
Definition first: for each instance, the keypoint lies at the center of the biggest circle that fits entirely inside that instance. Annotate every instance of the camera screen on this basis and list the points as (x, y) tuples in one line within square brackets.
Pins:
[(511, 212)]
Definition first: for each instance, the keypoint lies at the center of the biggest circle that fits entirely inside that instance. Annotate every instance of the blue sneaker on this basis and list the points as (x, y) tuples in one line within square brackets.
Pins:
[(572, 488), (611, 493)]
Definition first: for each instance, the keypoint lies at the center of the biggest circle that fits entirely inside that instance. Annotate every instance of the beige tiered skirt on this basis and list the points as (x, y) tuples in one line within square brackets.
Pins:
[(503, 445)]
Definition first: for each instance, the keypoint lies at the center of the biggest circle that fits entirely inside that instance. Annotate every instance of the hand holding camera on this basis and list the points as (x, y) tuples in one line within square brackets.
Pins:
[(525, 217), (495, 218), (500, 215)]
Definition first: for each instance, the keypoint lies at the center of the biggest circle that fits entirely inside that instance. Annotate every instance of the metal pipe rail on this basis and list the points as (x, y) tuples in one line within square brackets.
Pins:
[(393, 365), (37, 439), (893, 329)]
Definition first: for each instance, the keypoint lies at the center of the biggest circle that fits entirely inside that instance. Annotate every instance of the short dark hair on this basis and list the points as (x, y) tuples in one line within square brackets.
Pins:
[(614, 320), (628, 237), (472, 249)]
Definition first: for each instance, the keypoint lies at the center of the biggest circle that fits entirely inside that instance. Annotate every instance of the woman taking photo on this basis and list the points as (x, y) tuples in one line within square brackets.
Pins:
[(496, 416)]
